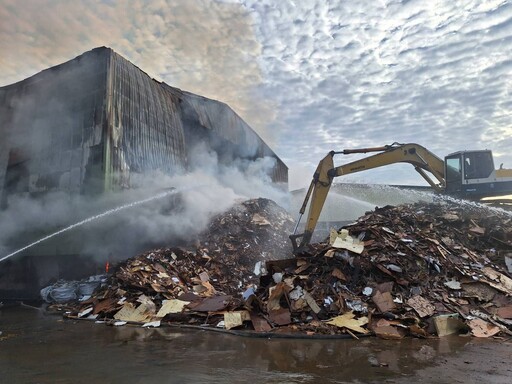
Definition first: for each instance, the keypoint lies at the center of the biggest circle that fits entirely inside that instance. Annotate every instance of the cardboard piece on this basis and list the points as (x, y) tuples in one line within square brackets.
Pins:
[(481, 328), (349, 321), (171, 306), (235, 318), (384, 301), (422, 306), (448, 324)]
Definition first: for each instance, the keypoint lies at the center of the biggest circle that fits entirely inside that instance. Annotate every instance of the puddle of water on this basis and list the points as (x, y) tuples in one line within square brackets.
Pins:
[(46, 349)]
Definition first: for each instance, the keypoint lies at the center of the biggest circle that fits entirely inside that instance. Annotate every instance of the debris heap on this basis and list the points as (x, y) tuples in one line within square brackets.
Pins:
[(423, 269), (419, 269), (254, 230)]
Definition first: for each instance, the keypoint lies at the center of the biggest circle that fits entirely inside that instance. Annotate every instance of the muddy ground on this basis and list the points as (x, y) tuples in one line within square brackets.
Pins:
[(36, 347)]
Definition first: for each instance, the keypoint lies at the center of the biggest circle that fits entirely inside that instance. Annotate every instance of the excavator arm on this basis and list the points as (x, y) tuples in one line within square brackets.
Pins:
[(421, 158)]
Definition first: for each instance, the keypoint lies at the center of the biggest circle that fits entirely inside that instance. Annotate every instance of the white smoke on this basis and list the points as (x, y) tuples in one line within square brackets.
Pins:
[(209, 188)]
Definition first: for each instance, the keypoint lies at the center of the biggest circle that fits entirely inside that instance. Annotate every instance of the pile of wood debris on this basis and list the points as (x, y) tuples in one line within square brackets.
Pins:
[(423, 270), (249, 231)]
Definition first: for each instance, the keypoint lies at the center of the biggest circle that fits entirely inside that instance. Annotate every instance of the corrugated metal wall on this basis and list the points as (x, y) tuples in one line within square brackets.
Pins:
[(145, 130)]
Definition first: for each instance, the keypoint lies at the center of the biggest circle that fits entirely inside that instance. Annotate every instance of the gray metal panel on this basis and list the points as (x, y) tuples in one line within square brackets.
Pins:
[(219, 118), (49, 116), (4, 151)]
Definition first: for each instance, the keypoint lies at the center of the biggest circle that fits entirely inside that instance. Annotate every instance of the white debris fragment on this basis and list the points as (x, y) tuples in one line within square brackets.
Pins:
[(257, 268), (357, 306), (394, 268), (85, 312), (386, 229), (296, 293), (453, 284), (152, 324), (278, 277), (508, 263), (248, 292), (328, 300), (120, 323), (367, 291)]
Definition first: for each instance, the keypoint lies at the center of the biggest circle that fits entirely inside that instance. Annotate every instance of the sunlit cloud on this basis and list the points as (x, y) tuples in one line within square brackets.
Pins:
[(309, 76)]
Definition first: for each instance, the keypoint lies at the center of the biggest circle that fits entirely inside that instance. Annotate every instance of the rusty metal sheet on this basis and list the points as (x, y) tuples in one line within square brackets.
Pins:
[(259, 323), (274, 300), (211, 304), (385, 287), (505, 312), (481, 291), (383, 301), (189, 296), (280, 316), (107, 305), (498, 280), (388, 332)]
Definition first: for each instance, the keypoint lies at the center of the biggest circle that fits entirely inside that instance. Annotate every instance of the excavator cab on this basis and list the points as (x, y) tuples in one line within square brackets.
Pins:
[(470, 173)]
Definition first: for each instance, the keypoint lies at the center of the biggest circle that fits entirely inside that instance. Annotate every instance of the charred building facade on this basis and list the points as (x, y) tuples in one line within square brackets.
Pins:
[(87, 126)]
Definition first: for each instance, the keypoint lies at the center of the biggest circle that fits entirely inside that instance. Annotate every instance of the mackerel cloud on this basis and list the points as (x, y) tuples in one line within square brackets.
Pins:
[(309, 76)]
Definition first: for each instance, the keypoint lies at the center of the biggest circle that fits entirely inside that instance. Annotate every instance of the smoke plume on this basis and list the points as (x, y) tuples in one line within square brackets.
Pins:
[(208, 189)]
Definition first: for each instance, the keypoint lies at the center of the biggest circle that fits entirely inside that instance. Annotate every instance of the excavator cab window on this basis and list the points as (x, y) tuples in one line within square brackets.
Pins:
[(453, 169), (453, 172), (478, 165)]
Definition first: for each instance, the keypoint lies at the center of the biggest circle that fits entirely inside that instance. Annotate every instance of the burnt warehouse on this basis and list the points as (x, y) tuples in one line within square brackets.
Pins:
[(90, 126)]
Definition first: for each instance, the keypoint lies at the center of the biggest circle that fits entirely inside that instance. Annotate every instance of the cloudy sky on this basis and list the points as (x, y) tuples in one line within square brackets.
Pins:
[(308, 75)]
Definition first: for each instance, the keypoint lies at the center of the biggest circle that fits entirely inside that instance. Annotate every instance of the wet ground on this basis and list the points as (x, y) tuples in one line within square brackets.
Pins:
[(36, 347)]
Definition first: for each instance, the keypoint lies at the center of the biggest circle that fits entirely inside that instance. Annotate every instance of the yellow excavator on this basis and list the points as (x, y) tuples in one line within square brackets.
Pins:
[(463, 174)]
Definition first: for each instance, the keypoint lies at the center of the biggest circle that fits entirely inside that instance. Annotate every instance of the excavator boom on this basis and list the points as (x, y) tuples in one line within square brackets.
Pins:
[(422, 159)]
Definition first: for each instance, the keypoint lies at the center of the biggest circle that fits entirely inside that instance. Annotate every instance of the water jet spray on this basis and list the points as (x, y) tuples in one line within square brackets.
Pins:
[(96, 217)]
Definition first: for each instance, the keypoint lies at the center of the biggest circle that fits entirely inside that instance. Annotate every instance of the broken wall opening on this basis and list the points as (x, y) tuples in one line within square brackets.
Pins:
[(16, 176)]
